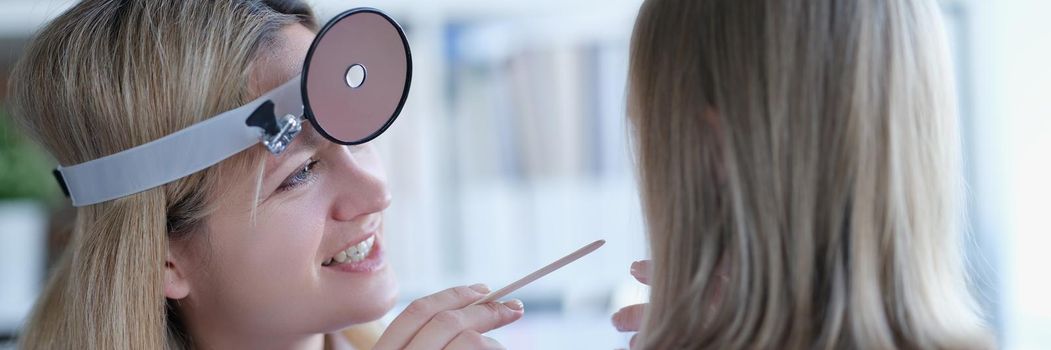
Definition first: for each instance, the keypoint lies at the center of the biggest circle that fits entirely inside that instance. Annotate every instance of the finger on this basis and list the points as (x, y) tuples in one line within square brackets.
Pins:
[(631, 343), (480, 318), (419, 312), (641, 270), (471, 340), (629, 318)]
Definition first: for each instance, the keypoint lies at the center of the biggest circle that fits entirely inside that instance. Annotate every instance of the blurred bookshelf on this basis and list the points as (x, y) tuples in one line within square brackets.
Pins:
[(511, 152)]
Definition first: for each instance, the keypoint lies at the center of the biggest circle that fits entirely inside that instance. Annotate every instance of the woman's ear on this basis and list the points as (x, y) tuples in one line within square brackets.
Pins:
[(176, 285)]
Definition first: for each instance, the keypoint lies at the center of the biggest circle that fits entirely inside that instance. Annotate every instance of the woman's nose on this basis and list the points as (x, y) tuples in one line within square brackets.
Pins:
[(360, 184)]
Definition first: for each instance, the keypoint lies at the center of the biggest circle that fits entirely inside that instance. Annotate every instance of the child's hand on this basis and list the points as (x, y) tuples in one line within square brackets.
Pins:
[(629, 318), (444, 320)]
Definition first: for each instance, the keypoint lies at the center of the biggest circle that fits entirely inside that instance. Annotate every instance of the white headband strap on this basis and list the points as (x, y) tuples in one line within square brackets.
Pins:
[(184, 152)]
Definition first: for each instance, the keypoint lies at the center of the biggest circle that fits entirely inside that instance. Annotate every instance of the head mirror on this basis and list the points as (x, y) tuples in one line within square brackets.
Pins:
[(356, 76)]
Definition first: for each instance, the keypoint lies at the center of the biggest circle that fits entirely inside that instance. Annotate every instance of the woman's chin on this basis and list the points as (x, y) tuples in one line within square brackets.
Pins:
[(369, 304), (377, 307)]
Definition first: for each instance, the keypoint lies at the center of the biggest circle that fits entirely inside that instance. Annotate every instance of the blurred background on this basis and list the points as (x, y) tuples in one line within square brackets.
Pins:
[(512, 151)]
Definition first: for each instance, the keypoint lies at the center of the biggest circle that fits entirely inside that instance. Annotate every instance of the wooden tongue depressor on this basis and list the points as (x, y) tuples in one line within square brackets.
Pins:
[(502, 292)]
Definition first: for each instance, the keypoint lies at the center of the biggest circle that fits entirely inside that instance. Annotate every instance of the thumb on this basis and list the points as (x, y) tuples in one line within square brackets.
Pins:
[(641, 270)]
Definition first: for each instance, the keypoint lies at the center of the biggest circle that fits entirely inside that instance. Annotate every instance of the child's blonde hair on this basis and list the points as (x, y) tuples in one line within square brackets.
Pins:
[(806, 153)]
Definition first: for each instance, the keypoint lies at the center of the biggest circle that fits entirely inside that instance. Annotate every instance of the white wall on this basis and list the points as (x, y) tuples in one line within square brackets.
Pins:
[(1010, 140)]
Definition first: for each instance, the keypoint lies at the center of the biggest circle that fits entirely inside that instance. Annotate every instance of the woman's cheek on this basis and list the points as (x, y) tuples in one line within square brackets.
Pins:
[(286, 251)]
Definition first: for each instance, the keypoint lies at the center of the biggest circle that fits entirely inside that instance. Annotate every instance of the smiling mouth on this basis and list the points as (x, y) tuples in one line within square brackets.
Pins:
[(355, 253)]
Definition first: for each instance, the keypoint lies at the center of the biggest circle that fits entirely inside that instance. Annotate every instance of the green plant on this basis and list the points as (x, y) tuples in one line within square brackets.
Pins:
[(25, 169)]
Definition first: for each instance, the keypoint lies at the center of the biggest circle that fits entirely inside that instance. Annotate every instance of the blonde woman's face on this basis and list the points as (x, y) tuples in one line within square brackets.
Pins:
[(316, 200)]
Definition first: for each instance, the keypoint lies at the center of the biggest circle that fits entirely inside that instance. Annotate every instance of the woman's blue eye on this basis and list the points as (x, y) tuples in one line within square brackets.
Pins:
[(301, 176)]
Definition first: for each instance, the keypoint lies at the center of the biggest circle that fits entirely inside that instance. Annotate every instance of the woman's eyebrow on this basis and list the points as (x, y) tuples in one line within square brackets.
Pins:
[(308, 140)]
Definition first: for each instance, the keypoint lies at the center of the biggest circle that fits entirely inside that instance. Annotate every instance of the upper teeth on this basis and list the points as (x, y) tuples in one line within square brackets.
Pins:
[(355, 253)]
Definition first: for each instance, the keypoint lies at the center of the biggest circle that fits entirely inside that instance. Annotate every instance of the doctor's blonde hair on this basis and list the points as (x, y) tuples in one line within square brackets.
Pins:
[(800, 173), (106, 76)]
